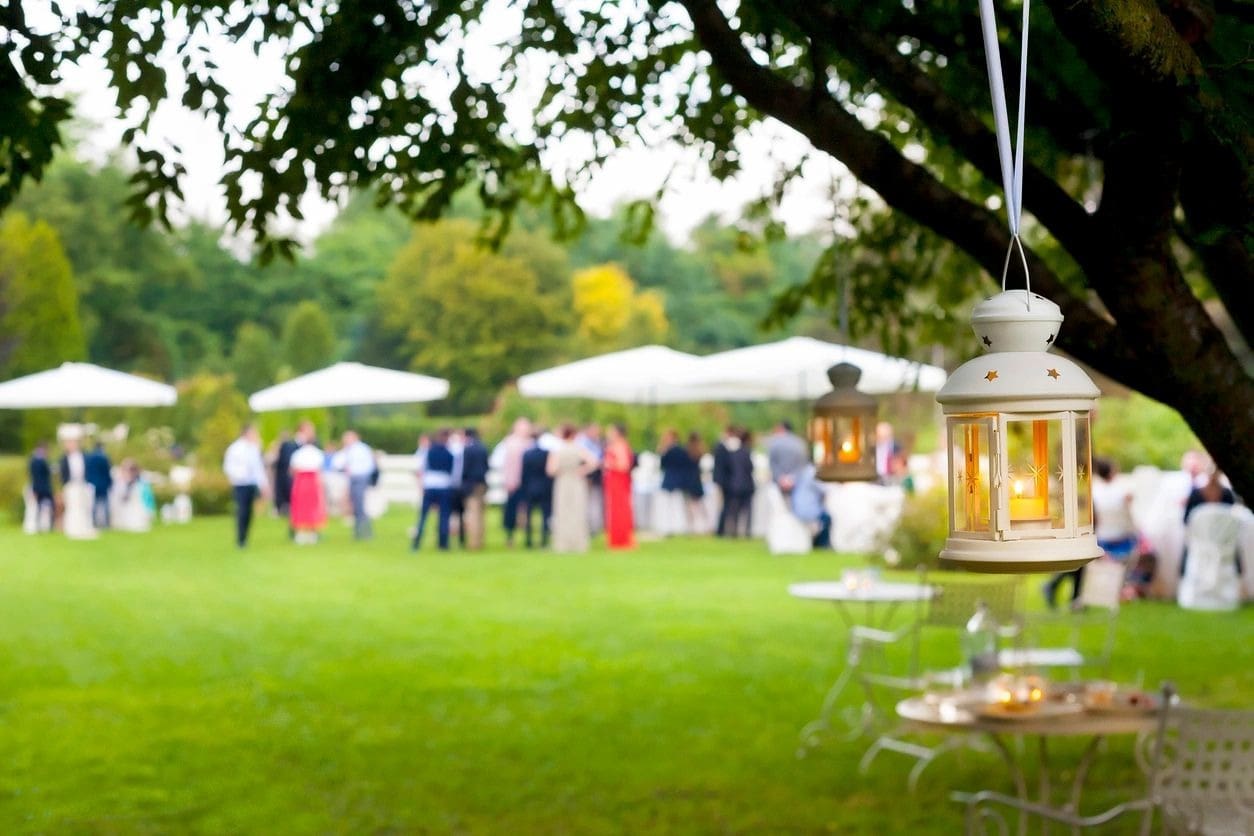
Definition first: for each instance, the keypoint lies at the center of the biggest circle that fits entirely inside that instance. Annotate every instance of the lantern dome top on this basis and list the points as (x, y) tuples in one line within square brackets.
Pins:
[(1016, 320), (1014, 377), (844, 395)]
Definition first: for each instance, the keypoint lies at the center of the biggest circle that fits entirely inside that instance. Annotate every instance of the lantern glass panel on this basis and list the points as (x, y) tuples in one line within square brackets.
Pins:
[(972, 454), (1083, 471), (821, 438), (1035, 467), (849, 439)]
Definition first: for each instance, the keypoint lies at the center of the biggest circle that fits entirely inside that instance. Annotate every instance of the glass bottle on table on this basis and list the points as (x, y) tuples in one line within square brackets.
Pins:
[(979, 645)]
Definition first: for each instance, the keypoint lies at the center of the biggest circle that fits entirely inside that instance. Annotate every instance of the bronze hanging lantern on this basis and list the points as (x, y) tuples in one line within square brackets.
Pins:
[(842, 430)]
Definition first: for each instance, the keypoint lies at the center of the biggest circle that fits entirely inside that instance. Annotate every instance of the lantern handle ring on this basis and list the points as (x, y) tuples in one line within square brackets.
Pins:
[(1023, 257)]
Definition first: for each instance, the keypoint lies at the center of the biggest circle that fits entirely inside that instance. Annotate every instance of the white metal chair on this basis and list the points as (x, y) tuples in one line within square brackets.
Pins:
[(1200, 780), (1210, 581), (1090, 630), (951, 606)]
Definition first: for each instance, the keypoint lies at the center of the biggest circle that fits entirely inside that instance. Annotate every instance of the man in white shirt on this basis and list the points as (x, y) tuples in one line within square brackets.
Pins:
[(246, 471), (356, 459)]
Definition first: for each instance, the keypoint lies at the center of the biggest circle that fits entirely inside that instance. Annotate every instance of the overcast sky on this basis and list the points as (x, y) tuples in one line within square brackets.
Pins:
[(633, 173)]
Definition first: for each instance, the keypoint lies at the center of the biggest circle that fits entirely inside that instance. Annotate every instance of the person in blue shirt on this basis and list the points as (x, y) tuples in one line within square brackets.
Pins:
[(436, 465), (41, 486), (100, 476), (808, 504)]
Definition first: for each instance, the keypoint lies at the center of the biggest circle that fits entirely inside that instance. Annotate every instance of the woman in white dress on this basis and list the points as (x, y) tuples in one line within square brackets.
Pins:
[(569, 464), (76, 494)]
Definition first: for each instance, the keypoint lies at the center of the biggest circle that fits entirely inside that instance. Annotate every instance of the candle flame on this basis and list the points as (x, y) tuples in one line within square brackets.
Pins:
[(1018, 488)]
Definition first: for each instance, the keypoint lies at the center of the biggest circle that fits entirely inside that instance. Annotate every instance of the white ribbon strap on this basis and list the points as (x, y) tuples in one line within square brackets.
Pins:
[(1011, 159)]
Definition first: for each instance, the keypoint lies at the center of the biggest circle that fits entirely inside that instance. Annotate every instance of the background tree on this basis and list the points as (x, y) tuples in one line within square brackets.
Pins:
[(308, 340), (39, 325), (1140, 148), (476, 317), (612, 313), (254, 358)]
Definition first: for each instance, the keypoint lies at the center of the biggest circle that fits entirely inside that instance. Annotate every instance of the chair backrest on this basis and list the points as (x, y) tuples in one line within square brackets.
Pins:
[(1214, 523), (1103, 584), (953, 602), (1204, 777)]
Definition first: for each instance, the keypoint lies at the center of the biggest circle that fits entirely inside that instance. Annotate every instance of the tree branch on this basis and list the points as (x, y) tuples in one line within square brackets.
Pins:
[(1051, 204), (910, 188)]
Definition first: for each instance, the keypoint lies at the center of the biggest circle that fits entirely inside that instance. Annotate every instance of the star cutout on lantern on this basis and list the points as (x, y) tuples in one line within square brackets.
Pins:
[(1049, 340), (991, 376), (1079, 473), (1053, 373), (1060, 473), (1037, 472), (987, 341)]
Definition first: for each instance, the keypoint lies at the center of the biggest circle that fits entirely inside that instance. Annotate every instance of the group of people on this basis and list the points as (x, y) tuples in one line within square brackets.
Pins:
[(1119, 537), (297, 480), (575, 481), (93, 492)]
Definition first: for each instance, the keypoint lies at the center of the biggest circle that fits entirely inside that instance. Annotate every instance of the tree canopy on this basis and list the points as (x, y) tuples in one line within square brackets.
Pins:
[(1139, 182)]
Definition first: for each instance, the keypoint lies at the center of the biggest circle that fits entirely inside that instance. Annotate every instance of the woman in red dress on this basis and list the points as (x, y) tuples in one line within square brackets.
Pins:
[(616, 483), (308, 509)]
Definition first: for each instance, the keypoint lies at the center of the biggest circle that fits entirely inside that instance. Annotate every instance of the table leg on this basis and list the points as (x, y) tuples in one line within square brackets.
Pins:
[(1016, 774), (1081, 772), (813, 731), (1042, 779)]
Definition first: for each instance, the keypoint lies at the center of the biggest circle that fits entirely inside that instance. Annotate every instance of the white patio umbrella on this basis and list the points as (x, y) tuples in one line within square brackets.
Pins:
[(796, 369), (349, 384), (650, 375), (73, 385)]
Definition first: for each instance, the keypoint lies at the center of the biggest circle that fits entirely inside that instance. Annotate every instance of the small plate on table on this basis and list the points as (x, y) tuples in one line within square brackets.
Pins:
[(1036, 711), (1123, 703)]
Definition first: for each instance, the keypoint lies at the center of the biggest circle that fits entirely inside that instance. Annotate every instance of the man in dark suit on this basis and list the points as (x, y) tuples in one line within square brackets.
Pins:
[(722, 477), (537, 489), (474, 488), (283, 468), (41, 487), (99, 474), (283, 474)]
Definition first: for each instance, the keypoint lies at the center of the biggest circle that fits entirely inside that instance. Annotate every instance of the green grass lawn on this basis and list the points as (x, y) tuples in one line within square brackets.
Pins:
[(168, 683)]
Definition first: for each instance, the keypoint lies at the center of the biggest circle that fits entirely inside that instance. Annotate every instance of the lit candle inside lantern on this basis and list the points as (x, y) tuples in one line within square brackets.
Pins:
[(1026, 507), (848, 450)]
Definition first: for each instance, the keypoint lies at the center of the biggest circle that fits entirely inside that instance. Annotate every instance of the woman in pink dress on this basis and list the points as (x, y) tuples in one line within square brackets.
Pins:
[(308, 512), (616, 483)]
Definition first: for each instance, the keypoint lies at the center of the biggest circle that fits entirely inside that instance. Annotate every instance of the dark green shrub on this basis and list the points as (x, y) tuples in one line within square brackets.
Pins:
[(210, 493), (922, 530), (12, 482)]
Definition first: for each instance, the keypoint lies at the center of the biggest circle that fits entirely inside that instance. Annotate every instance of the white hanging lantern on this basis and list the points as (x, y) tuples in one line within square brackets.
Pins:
[(1017, 430)]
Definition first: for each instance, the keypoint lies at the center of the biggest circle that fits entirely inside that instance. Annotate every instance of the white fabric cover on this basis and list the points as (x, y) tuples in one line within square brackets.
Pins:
[(864, 515), (796, 369), (83, 384), (650, 374), (670, 515), (785, 534), (129, 513), (349, 384), (34, 518), (1210, 580)]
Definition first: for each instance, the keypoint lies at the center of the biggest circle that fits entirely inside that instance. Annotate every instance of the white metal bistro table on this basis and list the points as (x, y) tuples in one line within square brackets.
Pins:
[(878, 600), (958, 714)]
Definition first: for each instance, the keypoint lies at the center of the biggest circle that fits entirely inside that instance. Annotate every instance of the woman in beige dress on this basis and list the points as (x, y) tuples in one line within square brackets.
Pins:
[(569, 465)]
